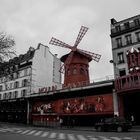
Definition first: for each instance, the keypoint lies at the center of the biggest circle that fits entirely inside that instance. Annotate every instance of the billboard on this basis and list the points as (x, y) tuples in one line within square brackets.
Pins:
[(79, 105)]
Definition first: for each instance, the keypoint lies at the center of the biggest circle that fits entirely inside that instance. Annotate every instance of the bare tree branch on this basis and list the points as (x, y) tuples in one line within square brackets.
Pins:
[(6, 47)]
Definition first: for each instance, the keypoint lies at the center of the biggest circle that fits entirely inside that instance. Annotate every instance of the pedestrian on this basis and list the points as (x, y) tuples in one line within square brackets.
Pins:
[(61, 122), (132, 119)]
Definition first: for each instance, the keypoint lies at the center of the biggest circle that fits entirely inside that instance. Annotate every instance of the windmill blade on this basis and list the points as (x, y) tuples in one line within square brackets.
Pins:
[(95, 57), (57, 42), (81, 34)]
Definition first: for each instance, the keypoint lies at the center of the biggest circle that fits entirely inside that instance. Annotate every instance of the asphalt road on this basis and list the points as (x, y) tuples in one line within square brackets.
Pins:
[(13, 132)]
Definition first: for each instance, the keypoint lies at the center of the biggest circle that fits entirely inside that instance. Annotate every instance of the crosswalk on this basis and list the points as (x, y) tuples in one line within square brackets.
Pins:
[(59, 135)]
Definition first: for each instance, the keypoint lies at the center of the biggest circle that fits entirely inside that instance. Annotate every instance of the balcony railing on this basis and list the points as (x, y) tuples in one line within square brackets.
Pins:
[(127, 83)]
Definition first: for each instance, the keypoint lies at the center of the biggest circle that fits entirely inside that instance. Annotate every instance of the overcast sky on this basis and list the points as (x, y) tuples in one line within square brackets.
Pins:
[(35, 21)]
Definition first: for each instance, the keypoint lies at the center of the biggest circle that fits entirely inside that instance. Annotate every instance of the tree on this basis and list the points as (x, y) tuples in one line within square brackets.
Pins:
[(6, 47)]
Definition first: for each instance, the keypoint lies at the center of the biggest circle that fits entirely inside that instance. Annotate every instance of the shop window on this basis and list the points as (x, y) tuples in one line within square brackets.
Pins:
[(128, 39), (120, 57), (122, 72), (138, 36), (119, 42)]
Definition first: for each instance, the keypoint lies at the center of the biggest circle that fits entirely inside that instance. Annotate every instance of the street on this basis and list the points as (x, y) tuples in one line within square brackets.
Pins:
[(8, 132)]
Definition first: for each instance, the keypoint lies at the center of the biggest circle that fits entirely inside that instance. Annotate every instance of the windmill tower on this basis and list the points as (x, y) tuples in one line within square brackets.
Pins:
[(76, 63)]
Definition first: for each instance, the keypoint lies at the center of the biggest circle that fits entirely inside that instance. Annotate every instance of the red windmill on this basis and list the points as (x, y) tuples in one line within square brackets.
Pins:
[(76, 62)]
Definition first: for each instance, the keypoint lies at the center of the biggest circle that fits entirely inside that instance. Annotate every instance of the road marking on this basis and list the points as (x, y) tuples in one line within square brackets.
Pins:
[(45, 134), (30, 133), (52, 135), (92, 138), (38, 133), (116, 138), (71, 137), (81, 137), (3, 130), (61, 136), (128, 138), (24, 132), (19, 131)]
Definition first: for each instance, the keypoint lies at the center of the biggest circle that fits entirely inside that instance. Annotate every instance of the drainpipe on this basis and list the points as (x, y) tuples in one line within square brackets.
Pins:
[(28, 112), (115, 103)]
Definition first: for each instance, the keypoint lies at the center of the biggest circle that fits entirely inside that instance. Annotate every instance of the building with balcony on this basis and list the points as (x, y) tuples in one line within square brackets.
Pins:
[(125, 37), (22, 76)]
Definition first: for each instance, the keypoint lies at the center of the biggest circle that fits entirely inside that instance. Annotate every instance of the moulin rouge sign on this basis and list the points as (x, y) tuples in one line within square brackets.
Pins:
[(68, 86)]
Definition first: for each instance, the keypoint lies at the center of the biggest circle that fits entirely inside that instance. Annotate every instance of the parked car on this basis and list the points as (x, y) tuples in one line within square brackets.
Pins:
[(113, 124)]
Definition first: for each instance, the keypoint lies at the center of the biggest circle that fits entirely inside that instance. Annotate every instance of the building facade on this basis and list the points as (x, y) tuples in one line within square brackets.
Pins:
[(22, 76), (125, 37)]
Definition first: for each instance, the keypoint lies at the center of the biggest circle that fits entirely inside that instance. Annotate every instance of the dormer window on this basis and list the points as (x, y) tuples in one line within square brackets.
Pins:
[(127, 25), (118, 28), (137, 22)]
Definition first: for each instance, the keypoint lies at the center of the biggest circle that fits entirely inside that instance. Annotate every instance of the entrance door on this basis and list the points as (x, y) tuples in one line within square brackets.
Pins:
[(131, 106)]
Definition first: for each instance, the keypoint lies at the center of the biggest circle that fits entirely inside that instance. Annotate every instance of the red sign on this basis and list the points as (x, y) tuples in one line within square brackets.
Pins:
[(89, 104)]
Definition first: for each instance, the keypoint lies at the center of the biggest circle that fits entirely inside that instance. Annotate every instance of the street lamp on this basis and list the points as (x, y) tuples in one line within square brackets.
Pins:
[(115, 68)]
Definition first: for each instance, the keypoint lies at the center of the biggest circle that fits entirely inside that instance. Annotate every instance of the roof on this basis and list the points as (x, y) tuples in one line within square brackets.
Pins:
[(64, 57)]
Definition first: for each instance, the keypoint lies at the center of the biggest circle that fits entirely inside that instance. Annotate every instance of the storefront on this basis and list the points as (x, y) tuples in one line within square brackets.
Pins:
[(14, 111), (78, 106)]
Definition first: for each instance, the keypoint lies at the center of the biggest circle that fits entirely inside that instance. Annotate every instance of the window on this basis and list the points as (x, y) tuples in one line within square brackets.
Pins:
[(1, 87), (23, 93), (4, 96), (122, 72), (25, 83), (10, 95), (128, 39), (118, 28), (119, 42), (25, 72), (126, 25), (137, 22), (16, 84), (120, 57), (15, 94), (138, 36)]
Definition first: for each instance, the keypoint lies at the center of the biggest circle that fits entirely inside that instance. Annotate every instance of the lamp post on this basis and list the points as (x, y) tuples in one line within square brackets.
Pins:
[(115, 68), (115, 97)]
